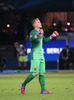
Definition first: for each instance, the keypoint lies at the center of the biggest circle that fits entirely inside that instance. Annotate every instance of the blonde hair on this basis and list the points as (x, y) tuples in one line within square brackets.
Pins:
[(32, 22)]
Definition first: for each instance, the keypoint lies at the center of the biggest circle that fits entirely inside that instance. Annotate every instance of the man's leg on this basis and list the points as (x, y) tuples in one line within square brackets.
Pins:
[(41, 75), (19, 63), (27, 80), (42, 78), (19, 66), (24, 66), (34, 72), (25, 59), (42, 81)]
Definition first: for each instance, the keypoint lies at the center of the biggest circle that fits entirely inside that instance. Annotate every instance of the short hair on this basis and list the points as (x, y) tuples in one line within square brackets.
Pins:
[(16, 43), (32, 22)]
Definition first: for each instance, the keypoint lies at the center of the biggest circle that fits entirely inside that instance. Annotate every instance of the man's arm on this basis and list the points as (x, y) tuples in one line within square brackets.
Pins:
[(45, 40), (54, 34), (35, 37)]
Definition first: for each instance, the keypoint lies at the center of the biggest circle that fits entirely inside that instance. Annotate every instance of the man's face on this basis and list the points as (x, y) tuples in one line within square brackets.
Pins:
[(37, 23), (16, 45)]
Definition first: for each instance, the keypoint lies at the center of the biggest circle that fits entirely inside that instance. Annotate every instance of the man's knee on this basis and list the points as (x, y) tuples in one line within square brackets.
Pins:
[(36, 73)]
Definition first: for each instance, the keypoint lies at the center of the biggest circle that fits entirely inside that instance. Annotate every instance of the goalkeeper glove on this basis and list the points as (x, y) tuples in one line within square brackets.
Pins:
[(39, 33), (55, 34)]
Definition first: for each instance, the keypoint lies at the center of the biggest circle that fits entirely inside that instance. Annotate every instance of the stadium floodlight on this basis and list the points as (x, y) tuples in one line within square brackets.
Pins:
[(8, 25), (68, 23)]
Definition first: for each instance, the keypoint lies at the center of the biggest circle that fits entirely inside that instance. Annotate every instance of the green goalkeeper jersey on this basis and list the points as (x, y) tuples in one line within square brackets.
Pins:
[(36, 45)]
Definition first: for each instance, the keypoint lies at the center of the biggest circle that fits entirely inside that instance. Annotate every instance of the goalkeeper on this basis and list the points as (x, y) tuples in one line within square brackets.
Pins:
[(37, 59)]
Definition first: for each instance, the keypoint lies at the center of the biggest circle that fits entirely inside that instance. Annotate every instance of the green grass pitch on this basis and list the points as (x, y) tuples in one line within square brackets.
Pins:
[(61, 83)]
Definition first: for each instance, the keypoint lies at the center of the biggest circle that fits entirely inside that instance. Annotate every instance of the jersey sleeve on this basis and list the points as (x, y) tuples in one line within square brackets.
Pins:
[(32, 37), (45, 40)]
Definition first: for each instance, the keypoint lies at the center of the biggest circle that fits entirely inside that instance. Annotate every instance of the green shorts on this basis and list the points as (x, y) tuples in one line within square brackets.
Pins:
[(37, 65), (23, 58)]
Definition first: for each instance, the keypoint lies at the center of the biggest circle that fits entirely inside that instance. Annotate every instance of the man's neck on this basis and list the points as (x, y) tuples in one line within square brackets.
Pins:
[(37, 28)]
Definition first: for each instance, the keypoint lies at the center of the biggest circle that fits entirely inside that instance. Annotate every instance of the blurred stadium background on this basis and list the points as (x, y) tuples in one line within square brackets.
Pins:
[(15, 18)]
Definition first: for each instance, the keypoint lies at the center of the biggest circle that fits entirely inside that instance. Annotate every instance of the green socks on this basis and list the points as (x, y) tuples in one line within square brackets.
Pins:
[(28, 79), (42, 82)]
